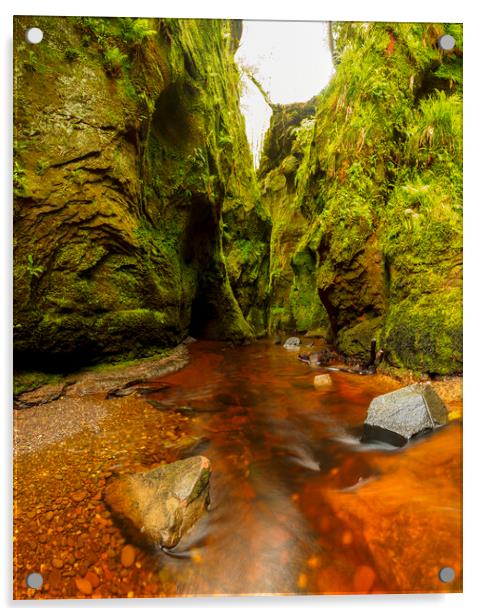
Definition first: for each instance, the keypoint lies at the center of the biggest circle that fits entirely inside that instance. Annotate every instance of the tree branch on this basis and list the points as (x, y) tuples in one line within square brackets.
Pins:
[(249, 72)]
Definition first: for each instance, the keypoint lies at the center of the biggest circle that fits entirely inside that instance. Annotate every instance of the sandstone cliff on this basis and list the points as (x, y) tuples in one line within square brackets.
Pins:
[(369, 195), (134, 190)]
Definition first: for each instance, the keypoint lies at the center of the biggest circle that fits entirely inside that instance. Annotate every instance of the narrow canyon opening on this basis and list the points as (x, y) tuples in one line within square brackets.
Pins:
[(307, 232)]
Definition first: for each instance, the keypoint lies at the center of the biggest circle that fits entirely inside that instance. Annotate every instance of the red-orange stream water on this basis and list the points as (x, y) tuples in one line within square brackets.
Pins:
[(298, 505)]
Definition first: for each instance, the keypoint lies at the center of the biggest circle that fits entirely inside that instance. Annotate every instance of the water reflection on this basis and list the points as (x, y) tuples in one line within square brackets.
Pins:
[(282, 451), (298, 505)]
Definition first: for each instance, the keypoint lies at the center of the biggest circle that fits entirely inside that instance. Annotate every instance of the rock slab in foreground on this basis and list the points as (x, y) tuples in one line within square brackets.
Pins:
[(405, 412), (40, 395), (159, 506)]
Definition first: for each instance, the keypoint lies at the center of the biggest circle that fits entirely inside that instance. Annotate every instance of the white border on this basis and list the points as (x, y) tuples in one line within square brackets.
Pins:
[(467, 11)]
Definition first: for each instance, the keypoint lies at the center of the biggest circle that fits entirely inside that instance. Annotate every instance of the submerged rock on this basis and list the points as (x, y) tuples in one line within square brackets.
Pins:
[(322, 380), (159, 506), (314, 359), (189, 340), (399, 415), (292, 343), (317, 358), (325, 356)]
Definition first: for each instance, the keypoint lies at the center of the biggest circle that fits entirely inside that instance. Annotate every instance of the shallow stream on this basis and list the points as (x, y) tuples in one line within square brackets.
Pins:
[(298, 505)]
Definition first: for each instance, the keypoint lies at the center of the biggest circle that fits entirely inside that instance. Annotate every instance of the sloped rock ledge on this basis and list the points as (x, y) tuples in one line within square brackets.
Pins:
[(110, 381)]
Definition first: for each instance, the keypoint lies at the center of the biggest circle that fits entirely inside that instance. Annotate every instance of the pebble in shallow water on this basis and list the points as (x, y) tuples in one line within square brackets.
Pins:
[(79, 496), (84, 586), (72, 513), (322, 380), (128, 556)]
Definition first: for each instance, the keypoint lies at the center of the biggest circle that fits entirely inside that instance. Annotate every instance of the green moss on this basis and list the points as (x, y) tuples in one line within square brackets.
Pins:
[(355, 341), (158, 231), (71, 54), (24, 381), (361, 194), (377, 194), (305, 305), (117, 363), (41, 167), (129, 88), (320, 332), (280, 319), (19, 180), (68, 341), (275, 181), (293, 295), (425, 333), (289, 165)]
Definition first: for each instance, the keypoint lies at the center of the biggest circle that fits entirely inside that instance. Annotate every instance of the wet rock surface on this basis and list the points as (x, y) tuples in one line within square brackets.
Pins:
[(322, 380), (318, 358), (406, 412), (292, 343), (160, 505), (40, 395), (124, 380), (115, 381)]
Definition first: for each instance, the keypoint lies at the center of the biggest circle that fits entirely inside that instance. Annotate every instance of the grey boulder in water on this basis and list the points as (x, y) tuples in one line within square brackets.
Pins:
[(398, 416), (159, 506), (292, 343)]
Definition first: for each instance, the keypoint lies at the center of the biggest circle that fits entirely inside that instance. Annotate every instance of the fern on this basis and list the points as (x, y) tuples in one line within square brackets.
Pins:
[(35, 271)]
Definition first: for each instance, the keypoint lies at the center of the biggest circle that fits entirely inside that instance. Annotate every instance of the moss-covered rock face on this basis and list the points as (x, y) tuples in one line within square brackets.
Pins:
[(138, 217), (134, 190), (294, 301), (366, 200)]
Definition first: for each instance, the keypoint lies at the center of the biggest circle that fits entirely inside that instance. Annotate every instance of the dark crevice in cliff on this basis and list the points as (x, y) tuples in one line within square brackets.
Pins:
[(200, 233), (171, 120), (203, 315), (200, 249), (330, 309)]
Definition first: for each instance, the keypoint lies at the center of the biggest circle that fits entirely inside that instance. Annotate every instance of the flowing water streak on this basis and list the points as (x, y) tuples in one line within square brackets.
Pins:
[(281, 451), (298, 505)]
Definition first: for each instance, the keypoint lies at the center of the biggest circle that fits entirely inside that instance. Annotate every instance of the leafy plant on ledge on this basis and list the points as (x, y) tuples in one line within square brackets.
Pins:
[(35, 271)]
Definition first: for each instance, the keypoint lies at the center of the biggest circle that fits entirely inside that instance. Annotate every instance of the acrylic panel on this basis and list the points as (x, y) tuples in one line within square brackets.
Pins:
[(237, 307)]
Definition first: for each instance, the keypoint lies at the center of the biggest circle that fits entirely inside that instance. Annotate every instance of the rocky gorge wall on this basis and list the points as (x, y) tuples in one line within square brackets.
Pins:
[(366, 199), (137, 218), (294, 302)]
